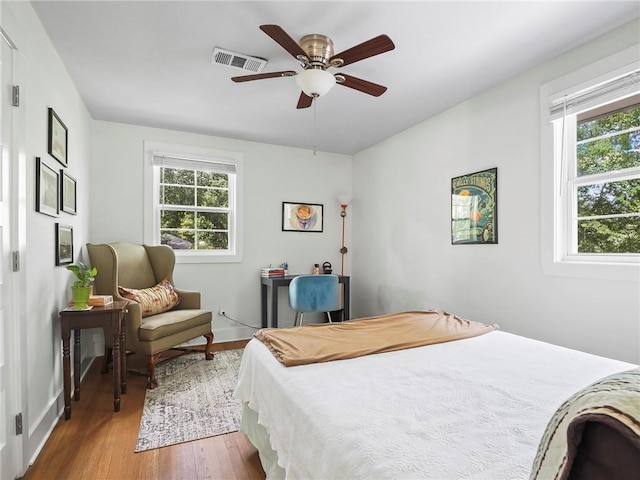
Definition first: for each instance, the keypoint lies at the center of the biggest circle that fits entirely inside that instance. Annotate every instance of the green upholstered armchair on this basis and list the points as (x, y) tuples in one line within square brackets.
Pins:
[(141, 267)]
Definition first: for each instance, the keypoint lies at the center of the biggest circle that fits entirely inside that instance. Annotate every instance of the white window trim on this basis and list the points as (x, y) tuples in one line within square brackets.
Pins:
[(151, 228), (553, 214)]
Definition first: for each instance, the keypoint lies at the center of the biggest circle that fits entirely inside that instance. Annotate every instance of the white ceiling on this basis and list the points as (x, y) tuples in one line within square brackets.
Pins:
[(149, 62)]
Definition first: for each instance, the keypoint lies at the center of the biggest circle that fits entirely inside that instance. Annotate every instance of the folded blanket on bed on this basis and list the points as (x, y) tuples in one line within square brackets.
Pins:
[(595, 433), (355, 338)]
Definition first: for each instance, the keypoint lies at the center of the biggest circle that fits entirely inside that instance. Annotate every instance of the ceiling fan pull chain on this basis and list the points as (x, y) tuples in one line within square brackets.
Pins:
[(315, 129)]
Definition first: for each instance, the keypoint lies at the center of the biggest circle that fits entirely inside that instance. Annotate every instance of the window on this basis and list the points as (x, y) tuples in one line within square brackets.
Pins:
[(194, 202), (605, 184), (591, 172), (598, 154)]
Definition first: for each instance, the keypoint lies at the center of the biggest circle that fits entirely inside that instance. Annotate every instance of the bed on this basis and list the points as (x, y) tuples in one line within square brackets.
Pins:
[(474, 407)]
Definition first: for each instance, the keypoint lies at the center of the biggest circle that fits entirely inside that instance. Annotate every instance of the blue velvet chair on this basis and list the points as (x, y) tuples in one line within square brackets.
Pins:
[(314, 293)]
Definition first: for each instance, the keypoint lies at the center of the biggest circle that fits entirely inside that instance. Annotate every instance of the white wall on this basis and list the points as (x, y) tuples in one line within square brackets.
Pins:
[(44, 82), (272, 174), (403, 258)]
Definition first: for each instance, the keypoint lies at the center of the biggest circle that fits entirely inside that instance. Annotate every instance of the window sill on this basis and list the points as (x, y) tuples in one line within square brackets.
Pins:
[(198, 257), (629, 272)]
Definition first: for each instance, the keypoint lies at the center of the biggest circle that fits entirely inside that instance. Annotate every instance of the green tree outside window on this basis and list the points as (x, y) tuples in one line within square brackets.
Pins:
[(609, 212), (195, 209)]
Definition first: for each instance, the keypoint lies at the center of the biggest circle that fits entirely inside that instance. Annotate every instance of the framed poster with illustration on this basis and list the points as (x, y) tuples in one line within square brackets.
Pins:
[(64, 244), (46, 189), (67, 193), (301, 217), (474, 208), (58, 141)]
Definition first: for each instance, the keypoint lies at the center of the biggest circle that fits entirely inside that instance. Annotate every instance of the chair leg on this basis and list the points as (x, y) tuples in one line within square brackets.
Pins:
[(329, 317), (301, 315), (108, 356), (151, 380), (208, 354)]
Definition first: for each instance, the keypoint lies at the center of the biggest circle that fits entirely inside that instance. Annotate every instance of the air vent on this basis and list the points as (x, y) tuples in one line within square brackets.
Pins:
[(239, 61)]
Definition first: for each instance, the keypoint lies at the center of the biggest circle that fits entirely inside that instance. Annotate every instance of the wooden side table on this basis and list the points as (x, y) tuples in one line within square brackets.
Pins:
[(111, 315)]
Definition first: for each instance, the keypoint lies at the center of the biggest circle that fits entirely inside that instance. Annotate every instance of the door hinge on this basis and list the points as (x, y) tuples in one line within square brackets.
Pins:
[(15, 96), (19, 424), (16, 261)]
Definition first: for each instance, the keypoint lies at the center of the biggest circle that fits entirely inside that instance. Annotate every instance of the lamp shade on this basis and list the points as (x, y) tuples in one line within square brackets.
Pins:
[(344, 199), (315, 82)]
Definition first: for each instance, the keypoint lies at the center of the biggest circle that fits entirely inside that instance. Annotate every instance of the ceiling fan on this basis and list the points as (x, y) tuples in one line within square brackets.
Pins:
[(315, 54)]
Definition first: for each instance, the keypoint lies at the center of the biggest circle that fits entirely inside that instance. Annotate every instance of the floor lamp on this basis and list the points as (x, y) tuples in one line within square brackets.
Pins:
[(344, 203)]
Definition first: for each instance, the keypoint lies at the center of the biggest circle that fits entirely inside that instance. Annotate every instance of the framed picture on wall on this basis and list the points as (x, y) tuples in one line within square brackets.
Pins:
[(67, 192), (58, 141), (474, 208), (301, 217), (64, 244), (46, 189)]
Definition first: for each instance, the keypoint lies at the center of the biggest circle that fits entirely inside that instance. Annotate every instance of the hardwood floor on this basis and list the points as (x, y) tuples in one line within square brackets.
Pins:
[(98, 443)]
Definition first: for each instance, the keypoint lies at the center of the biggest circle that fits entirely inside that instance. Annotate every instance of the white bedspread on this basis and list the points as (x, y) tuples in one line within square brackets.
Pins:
[(473, 408)]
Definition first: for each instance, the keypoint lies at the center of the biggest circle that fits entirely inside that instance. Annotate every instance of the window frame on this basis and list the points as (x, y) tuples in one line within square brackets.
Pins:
[(559, 183), (174, 153)]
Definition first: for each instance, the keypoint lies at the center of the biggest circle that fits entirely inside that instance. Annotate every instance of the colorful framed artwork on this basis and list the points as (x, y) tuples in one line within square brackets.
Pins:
[(67, 193), (64, 244), (58, 139), (474, 208), (46, 189), (302, 217)]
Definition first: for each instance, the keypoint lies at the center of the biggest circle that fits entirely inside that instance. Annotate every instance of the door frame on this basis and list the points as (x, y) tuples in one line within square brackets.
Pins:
[(16, 222)]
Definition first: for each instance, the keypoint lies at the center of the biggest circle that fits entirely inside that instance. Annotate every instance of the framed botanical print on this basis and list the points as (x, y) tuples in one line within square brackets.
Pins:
[(474, 208), (64, 244), (67, 193), (58, 141), (46, 189)]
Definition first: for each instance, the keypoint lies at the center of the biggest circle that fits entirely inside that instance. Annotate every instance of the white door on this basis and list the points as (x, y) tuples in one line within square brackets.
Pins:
[(10, 445)]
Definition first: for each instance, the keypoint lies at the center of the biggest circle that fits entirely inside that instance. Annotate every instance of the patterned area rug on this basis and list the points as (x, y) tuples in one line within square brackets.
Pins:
[(193, 400)]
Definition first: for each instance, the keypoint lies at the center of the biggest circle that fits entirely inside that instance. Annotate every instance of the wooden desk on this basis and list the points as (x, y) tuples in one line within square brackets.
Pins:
[(98, 317), (277, 282)]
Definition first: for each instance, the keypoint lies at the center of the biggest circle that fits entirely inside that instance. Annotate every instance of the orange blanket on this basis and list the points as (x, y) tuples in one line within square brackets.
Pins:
[(355, 338)]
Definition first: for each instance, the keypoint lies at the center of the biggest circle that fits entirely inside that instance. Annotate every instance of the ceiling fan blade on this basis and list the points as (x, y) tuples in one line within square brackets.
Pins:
[(370, 48), (304, 101), (260, 76), (284, 40), (361, 85)]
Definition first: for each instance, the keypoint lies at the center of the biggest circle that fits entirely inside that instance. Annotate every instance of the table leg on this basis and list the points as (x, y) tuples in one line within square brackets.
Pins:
[(76, 365), (116, 365), (66, 368), (263, 301), (274, 306), (123, 357), (347, 313)]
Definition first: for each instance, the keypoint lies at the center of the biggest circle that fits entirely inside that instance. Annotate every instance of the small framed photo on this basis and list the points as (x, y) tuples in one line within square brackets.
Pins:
[(474, 208), (47, 195), (58, 141), (67, 192), (301, 217), (64, 244)]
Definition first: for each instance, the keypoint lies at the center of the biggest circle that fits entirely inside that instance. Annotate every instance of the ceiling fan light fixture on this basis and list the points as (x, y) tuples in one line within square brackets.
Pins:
[(315, 82)]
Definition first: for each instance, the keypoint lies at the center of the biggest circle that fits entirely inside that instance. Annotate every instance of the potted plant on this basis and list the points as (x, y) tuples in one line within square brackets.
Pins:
[(81, 287)]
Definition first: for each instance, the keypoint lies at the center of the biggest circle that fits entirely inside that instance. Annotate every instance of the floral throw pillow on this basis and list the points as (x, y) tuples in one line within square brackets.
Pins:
[(153, 300)]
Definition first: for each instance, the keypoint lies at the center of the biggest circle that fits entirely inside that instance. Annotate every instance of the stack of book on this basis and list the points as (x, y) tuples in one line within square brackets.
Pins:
[(97, 300), (100, 300), (272, 272)]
